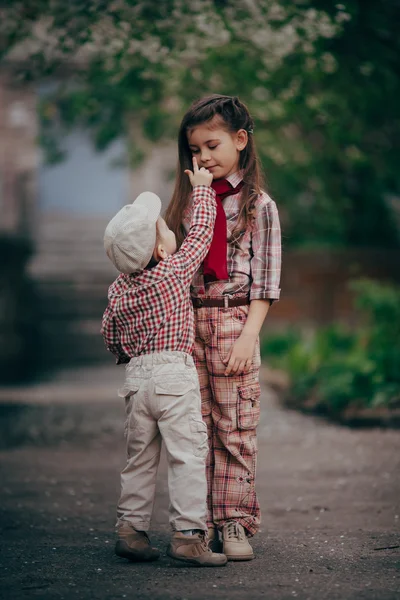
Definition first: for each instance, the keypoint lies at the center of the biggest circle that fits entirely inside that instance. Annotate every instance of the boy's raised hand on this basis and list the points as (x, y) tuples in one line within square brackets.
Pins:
[(199, 176)]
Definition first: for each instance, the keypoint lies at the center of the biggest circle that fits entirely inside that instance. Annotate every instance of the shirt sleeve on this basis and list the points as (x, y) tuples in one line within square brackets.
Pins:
[(266, 246), (109, 331), (194, 249)]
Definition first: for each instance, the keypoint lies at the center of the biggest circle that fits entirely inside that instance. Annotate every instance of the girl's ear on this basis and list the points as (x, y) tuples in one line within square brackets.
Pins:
[(242, 137)]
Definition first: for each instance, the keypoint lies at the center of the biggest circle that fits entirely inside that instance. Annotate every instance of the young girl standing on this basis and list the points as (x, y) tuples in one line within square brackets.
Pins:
[(231, 295)]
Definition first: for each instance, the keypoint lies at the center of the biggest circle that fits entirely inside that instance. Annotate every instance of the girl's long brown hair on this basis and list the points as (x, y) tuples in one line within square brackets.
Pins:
[(232, 115)]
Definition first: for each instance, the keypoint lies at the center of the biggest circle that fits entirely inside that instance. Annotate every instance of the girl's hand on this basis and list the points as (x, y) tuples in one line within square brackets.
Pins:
[(199, 176), (240, 357)]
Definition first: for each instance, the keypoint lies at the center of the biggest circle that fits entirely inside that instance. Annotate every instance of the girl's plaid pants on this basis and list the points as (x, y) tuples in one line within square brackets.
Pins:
[(231, 411)]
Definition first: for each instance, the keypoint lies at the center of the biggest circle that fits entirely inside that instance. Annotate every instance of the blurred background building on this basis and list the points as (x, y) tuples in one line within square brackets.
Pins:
[(55, 273)]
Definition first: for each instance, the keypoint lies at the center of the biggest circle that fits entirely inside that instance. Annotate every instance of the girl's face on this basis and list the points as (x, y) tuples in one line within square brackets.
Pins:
[(216, 149)]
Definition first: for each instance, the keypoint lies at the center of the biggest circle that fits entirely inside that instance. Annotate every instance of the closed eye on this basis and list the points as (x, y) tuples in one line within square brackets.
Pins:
[(196, 151)]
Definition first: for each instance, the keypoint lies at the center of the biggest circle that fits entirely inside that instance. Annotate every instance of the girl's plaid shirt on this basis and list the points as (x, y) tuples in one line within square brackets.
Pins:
[(254, 264), (152, 311)]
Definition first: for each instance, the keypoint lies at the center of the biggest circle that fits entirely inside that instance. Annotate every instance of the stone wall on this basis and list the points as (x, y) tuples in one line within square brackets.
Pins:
[(315, 284)]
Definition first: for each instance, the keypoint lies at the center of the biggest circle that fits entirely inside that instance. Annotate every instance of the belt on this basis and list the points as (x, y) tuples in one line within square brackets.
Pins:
[(221, 302)]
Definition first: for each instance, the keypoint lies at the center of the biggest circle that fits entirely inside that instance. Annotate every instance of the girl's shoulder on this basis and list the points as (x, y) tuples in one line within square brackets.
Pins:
[(263, 199)]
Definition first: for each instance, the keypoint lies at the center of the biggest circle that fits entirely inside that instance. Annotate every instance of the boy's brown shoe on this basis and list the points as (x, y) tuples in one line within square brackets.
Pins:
[(134, 545), (194, 549), (235, 543)]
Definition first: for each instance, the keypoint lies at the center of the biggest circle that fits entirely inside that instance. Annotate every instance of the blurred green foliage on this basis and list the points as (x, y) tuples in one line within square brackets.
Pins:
[(320, 78), (335, 368)]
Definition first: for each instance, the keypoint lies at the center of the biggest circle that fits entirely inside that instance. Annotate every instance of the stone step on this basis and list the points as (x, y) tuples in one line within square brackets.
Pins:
[(74, 342), (72, 275)]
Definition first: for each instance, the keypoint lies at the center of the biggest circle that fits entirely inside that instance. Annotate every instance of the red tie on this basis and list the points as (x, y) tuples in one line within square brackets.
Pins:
[(215, 263)]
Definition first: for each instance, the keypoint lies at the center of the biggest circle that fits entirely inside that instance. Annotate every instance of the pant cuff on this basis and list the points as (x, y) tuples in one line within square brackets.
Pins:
[(184, 525), (138, 525)]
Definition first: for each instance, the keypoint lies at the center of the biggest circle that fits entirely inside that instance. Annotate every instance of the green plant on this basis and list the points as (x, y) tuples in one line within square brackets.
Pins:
[(381, 306), (336, 368)]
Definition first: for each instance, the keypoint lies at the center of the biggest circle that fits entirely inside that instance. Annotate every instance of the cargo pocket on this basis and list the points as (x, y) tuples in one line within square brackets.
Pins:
[(172, 386), (248, 409), (199, 436), (128, 392), (129, 388), (240, 313)]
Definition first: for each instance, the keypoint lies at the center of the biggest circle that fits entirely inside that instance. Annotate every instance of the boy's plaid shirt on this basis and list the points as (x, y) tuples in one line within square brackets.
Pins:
[(254, 266), (152, 311)]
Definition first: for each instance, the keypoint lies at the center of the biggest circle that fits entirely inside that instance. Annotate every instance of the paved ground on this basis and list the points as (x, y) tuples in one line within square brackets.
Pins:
[(330, 498)]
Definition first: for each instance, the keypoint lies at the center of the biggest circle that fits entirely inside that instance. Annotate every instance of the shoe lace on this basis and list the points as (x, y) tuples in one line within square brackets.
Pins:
[(203, 542), (234, 530)]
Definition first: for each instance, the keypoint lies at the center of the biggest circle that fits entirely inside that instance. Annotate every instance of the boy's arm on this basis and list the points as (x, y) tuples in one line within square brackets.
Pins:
[(197, 243), (109, 331)]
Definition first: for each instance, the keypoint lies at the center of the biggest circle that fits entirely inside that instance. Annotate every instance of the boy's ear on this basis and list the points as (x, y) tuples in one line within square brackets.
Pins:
[(159, 252), (242, 137)]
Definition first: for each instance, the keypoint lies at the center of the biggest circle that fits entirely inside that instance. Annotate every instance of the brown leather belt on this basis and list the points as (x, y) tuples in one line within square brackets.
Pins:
[(221, 302)]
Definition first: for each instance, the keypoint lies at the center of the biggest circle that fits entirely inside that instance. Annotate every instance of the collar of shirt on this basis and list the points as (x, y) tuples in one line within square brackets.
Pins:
[(235, 178), (136, 282)]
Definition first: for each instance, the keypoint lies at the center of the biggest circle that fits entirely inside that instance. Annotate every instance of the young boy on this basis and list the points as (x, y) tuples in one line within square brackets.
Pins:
[(148, 323)]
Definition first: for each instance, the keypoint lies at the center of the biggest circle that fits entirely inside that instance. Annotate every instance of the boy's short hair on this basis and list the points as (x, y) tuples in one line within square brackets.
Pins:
[(130, 237)]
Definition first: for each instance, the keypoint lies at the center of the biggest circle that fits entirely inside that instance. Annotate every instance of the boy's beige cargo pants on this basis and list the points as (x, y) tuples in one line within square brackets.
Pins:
[(163, 403)]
